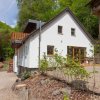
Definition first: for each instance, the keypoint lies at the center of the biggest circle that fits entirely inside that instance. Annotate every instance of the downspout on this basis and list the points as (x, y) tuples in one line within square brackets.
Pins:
[(39, 43)]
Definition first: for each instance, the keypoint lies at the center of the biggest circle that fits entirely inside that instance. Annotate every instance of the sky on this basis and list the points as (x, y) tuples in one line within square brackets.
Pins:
[(8, 12)]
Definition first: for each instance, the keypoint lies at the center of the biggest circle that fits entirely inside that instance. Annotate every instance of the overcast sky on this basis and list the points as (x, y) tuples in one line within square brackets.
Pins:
[(8, 12)]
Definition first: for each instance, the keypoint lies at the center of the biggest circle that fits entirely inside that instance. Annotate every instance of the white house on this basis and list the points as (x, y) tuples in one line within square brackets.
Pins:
[(64, 32)]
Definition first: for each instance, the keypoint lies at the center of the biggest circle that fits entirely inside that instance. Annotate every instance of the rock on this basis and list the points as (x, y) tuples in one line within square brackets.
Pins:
[(20, 86), (79, 84), (66, 90), (35, 73), (56, 92), (44, 81), (18, 80)]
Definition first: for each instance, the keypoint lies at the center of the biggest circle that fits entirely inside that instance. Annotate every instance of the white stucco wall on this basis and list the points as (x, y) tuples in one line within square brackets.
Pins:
[(15, 68), (23, 54), (34, 49), (50, 36)]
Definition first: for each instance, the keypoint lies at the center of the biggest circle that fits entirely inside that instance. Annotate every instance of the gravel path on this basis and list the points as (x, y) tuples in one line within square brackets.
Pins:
[(6, 82)]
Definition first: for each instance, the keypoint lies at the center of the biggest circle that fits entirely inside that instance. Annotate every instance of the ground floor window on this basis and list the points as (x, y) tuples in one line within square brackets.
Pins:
[(77, 53), (50, 50)]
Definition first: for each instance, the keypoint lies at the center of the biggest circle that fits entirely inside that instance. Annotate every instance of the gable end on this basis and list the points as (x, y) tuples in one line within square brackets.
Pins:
[(55, 18)]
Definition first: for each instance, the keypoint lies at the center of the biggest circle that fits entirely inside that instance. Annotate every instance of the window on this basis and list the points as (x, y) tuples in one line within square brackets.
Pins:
[(50, 50), (60, 29), (72, 31), (77, 53)]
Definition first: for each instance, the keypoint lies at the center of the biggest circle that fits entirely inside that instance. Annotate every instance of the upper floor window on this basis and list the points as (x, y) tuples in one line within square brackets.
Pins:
[(72, 31), (60, 29), (50, 50)]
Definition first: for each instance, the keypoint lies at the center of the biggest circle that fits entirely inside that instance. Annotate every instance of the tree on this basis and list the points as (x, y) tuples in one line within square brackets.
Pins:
[(46, 9), (5, 36), (34, 9), (83, 13)]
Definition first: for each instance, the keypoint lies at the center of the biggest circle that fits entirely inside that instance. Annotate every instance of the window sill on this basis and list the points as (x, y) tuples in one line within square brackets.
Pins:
[(60, 33), (50, 55), (73, 35)]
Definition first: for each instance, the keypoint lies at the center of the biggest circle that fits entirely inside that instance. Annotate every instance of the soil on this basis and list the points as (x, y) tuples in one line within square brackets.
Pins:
[(47, 88)]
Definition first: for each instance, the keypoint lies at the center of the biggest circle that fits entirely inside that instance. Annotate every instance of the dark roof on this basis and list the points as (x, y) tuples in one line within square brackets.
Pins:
[(31, 25), (55, 18)]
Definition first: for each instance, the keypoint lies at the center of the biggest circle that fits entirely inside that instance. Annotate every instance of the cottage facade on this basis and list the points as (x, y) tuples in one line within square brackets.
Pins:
[(63, 33)]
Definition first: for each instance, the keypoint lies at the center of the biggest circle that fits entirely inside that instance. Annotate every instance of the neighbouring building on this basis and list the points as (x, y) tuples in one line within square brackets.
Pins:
[(64, 32)]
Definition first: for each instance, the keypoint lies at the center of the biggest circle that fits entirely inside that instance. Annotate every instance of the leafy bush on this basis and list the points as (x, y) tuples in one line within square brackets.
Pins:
[(5, 67), (60, 60), (43, 64), (75, 69), (69, 66), (72, 68), (25, 75), (97, 48), (66, 97)]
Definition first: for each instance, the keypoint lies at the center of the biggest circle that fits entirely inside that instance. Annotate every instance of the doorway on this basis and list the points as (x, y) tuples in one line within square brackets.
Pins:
[(77, 53)]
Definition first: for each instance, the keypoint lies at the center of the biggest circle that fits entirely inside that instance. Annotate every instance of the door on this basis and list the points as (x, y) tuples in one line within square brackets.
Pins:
[(77, 53)]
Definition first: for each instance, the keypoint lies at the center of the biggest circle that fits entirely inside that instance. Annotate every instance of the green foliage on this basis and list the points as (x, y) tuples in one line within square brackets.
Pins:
[(25, 75), (46, 9), (75, 69), (5, 45), (66, 97), (35, 9), (5, 67), (97, 48), (60, 60), (71, 67), (43, 64), (83, 13)]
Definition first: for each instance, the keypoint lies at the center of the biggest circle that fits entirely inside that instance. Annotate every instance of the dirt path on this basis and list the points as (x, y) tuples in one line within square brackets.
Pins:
[(6, 82)]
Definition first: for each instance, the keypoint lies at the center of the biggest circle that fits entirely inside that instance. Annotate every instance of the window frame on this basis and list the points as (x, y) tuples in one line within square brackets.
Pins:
[(73, 32), (48, 54), (60, 29)]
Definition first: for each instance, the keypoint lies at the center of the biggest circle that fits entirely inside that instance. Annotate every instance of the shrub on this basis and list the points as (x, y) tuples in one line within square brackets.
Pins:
[(25, 75), (60, 60), (43, 64), (66, 97), (75, 69)]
